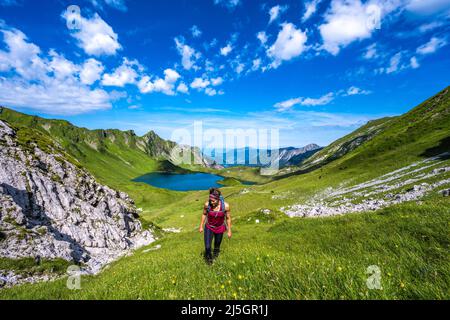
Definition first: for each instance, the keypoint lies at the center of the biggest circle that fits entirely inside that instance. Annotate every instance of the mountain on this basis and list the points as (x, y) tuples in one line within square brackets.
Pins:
[(111, 155), (294, 156), (51, 208), (251, 156)]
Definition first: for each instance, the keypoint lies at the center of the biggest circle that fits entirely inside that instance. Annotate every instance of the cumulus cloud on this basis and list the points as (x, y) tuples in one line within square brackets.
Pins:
[(290, 43), (262, 37), (414, 63), (352, 91), (166, 85), (256, 64), (91, 71), (93, 35), (47, 83), (183, 88), (123, 75), (22, 56), (196, 32), (226, 50), (432, 46), (275, 12), (188, 54), (310, 9), (200, 83), (210, 91), (217, 81), (347, 21)]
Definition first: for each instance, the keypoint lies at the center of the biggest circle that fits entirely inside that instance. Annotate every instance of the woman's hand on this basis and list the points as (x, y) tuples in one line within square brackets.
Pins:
[(229, 234), (201, 229)]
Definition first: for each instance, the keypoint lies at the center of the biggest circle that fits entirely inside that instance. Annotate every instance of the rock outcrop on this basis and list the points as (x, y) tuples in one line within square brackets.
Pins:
[(49, 207)]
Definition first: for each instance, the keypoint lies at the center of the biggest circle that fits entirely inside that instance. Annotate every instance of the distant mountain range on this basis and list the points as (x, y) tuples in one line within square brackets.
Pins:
[(289, 156)]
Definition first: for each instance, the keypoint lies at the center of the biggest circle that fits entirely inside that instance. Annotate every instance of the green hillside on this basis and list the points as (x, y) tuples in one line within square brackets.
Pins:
[(272, 256)]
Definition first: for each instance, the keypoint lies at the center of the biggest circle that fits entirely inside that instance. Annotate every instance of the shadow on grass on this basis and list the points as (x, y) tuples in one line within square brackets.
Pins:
[(442, 149)]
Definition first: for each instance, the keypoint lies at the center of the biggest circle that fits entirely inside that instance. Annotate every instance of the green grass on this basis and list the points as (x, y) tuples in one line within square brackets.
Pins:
[(28, 266), (287, 259)]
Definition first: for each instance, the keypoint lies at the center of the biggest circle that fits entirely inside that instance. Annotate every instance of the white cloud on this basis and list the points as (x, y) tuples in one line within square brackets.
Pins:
[(210, 91), (285, 105), (431, 26), (414, 63), (400, 61), (432, 46), (200, 83), (226, 50), (196, 32), (22, 56), (60, 66), (53, 96), (48, 84), (428, 7), (123, 75), (166, 85), (288, 104), (318, 102), (275, 12), (356, 91), (182, 87), (91, 71), (217, 81), (290, 43), (371, 52), (116, 4), (310, 9), (94, 35), (347, 21), (394, 63), (239, 68), (256, 64), (188, 55), (262, 37)]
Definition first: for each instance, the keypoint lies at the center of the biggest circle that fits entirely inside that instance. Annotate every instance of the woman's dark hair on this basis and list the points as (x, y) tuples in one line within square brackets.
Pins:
[(215, 191)]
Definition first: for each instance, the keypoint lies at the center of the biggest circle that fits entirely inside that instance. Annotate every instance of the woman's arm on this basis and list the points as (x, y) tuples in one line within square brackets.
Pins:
[(205, 208), (228, 213)]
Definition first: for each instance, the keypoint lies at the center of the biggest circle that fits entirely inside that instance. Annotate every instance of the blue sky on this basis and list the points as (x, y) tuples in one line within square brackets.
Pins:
[(315, 69)]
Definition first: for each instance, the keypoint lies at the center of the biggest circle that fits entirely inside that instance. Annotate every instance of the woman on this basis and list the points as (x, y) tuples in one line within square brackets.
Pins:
[(215, 211)]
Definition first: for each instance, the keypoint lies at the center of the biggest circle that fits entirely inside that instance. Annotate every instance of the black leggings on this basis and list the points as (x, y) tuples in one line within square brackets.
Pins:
[(209, 235)]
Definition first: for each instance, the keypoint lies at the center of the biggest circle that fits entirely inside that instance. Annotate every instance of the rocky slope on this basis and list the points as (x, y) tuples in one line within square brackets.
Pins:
[(409, 183), (51, 208)]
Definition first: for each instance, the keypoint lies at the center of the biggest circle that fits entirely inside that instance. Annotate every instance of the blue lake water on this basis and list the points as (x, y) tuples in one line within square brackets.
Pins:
[(183, 182)]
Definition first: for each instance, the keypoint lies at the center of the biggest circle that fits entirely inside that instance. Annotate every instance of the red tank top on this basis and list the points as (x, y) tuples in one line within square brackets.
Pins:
[(216, 220)]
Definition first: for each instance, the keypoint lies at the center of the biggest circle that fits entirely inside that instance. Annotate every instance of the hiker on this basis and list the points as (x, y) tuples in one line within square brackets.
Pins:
[(216, 212)]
